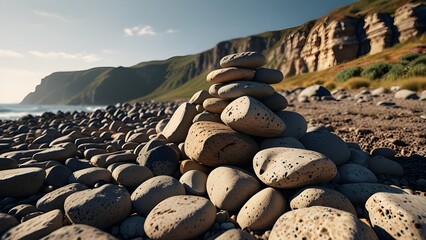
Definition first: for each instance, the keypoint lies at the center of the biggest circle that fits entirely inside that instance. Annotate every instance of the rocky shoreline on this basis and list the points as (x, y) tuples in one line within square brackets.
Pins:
[(239, 161)]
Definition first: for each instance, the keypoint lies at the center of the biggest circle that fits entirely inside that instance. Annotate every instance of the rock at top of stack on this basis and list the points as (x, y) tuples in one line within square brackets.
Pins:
[(243, 59), (243, 97)]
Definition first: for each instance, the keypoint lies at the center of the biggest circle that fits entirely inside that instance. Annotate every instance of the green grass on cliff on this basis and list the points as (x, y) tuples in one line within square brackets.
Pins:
[(327, 77), (365, 7)]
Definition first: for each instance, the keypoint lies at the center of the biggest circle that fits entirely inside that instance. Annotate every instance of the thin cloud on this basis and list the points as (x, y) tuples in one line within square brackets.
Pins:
[(51, 15), (10, 53), (64, 55), (171, 30), (146, 30)]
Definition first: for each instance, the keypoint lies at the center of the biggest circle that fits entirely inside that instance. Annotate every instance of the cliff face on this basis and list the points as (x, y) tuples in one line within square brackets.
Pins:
[(316, 45)]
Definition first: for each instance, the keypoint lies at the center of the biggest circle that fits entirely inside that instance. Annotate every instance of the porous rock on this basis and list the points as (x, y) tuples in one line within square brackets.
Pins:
[(36, 227), (397, 216), (214, 144), (291, 168), (180, 217), (321, 196), (249, 116), (99, 207), (320, 223)]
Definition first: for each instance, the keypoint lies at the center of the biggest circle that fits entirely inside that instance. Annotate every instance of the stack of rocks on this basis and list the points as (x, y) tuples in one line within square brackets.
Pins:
[(231, 163)]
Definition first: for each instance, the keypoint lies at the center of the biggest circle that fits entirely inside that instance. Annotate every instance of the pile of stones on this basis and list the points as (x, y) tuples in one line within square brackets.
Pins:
[(231, 163)]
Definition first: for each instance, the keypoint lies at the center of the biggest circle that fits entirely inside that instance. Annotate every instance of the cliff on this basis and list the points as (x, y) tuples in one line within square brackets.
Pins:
[(365, 27)]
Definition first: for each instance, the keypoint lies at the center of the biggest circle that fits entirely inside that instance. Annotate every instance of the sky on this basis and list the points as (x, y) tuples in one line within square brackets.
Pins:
[(39, 37)]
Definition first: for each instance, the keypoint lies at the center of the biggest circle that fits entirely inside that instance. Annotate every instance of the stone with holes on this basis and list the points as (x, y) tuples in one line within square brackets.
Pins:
[(99, 207), (320, 223), (291, 168), (214, 144), (321, 196), (397, 216), (180, 217), (36, 227), (249, 116)]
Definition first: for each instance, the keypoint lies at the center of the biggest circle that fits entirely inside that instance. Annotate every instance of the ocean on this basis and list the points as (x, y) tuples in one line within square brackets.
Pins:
[(15, 111)]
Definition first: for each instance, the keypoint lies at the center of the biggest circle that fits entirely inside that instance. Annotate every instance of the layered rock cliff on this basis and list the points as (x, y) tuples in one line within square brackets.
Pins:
[(343, 35)]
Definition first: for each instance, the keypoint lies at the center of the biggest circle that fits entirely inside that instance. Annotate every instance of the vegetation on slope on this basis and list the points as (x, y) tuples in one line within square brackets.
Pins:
[(334, 77)]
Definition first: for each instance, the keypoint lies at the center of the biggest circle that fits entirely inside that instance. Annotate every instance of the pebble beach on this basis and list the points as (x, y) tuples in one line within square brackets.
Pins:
[(237, 161)]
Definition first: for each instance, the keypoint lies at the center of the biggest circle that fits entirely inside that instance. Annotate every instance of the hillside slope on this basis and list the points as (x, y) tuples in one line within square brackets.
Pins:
[(364, 28)]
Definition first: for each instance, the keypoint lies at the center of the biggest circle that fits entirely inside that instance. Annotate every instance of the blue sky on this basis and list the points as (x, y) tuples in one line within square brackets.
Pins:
[(39, 37)]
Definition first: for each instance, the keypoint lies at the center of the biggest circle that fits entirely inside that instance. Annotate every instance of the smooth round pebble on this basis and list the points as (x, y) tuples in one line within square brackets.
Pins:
[(230, 187), (267, 75), (229, 74), (354, 173), (233, 90), (243, 59), (131, 175), (21, 182), (295, 123), (90, 176), (153, 191), (262, 210), (132, 227), (328, 144), (194, 182), (288, 142), (235, 234)]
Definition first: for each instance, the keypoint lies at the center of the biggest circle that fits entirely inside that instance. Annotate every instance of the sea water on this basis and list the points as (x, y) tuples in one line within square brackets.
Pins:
[(15, 111)]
